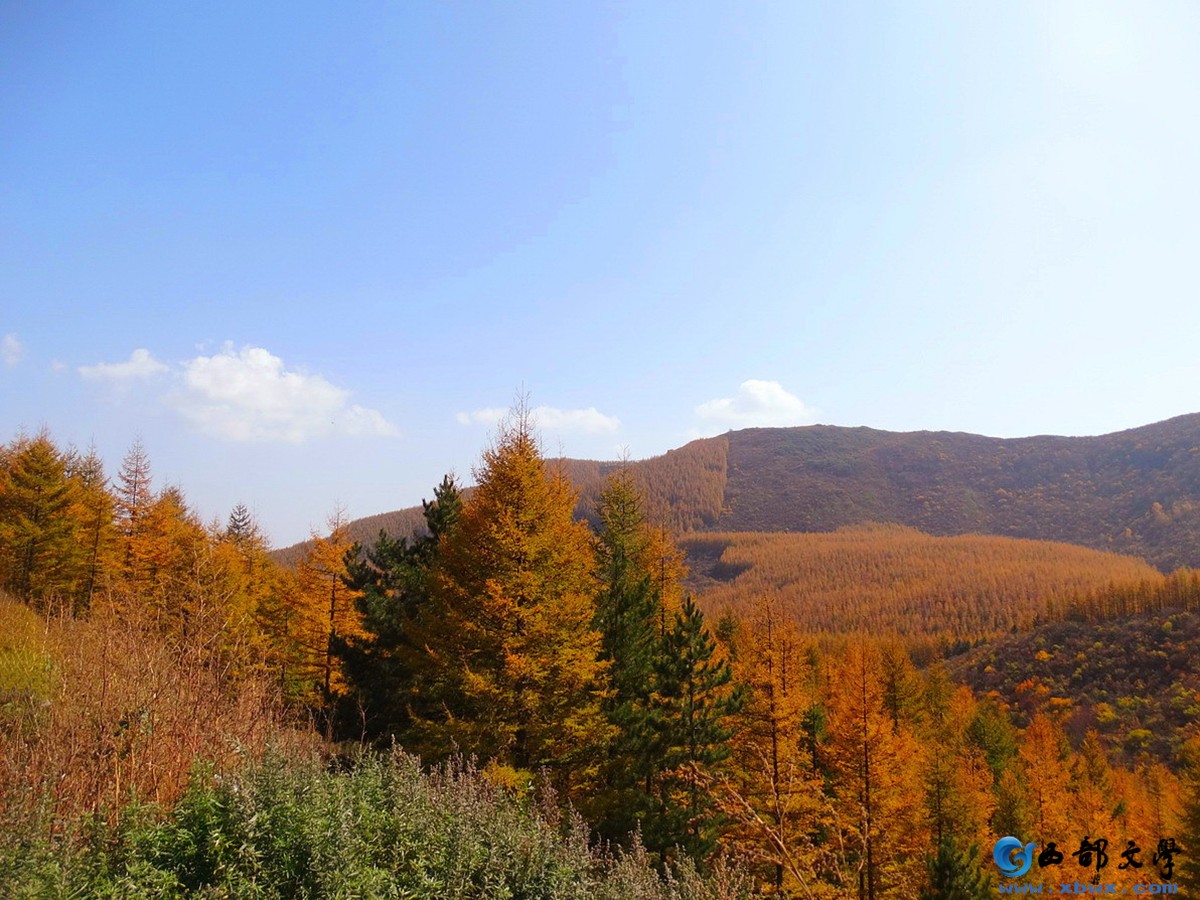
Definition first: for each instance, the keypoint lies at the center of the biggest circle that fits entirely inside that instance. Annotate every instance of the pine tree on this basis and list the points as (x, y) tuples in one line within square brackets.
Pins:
[(253, 588), (774, 792), (958, 781), (1045, 759), (93, 513), (690, 719), (1187, 868), (628, 606), (1013, 814), (956, 875), (876, 779), (1092, 787), (387, 668), (165, 555), (900, 683), (628, 615), (279, 619), (241, 527), (326, 612), (991, 731), (510, 634)]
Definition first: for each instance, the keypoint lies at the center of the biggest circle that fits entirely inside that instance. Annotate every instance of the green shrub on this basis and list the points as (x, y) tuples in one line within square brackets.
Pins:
[(380, 828)]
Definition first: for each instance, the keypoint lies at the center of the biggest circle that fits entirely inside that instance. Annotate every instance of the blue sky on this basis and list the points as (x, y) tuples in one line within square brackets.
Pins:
[(307, 251)]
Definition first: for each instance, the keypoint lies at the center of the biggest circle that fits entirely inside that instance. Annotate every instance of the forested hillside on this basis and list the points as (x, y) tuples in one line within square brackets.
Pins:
[(365, 531), (183, 716), (682, 489), (1135, 679), (1135, 492), (888, 579)]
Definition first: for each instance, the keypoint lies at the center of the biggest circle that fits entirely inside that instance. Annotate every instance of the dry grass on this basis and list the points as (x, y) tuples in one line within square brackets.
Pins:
[(101, 711)]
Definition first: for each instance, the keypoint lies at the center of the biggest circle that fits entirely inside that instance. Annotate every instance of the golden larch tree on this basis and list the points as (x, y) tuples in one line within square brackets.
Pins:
[(93, 513), (324, 611), (41, 560), (511, 636), (878, 785), (774, 796)]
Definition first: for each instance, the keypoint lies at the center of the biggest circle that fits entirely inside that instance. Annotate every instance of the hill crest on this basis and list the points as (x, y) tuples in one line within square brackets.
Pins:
[(1135, 491)]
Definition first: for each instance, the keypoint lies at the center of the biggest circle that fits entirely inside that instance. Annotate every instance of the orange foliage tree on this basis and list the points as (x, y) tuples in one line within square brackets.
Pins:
[(40, 556), (878, 786), (324, 611), (774, 796), (511, 635)]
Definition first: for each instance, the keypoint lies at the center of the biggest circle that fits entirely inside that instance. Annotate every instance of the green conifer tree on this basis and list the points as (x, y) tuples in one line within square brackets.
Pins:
[(692, 699), (628, 612), (387, 669), (241, 527), (992, 732), (956, 875)]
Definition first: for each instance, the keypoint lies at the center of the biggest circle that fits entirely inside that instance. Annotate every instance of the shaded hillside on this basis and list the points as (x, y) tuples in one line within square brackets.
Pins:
[(1135, 492), (891, 579), (1135, 679)]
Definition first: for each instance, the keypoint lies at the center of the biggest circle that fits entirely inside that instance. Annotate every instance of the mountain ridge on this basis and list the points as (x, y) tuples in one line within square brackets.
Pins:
[(1135, 491)]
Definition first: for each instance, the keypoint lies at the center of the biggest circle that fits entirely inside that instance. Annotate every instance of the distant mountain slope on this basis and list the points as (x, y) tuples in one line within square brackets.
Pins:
[(366, 530), (1135, 492), (683, 487), (889, 579)]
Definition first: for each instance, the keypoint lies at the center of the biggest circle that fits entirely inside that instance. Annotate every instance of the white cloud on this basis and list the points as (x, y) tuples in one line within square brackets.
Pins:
[(589, 421), (550, 418), (248, 395), (140, 365), (758, 404), (489, 415), (11, 350)]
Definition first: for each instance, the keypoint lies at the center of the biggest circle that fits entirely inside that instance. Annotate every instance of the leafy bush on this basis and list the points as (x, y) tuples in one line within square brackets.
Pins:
[(380, 828)]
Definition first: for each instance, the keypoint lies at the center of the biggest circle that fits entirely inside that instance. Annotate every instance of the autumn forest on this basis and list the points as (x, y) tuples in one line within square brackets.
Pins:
[(576, 679)]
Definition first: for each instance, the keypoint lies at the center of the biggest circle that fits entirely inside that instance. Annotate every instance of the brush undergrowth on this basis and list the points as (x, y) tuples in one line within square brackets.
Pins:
[(376, 827)]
